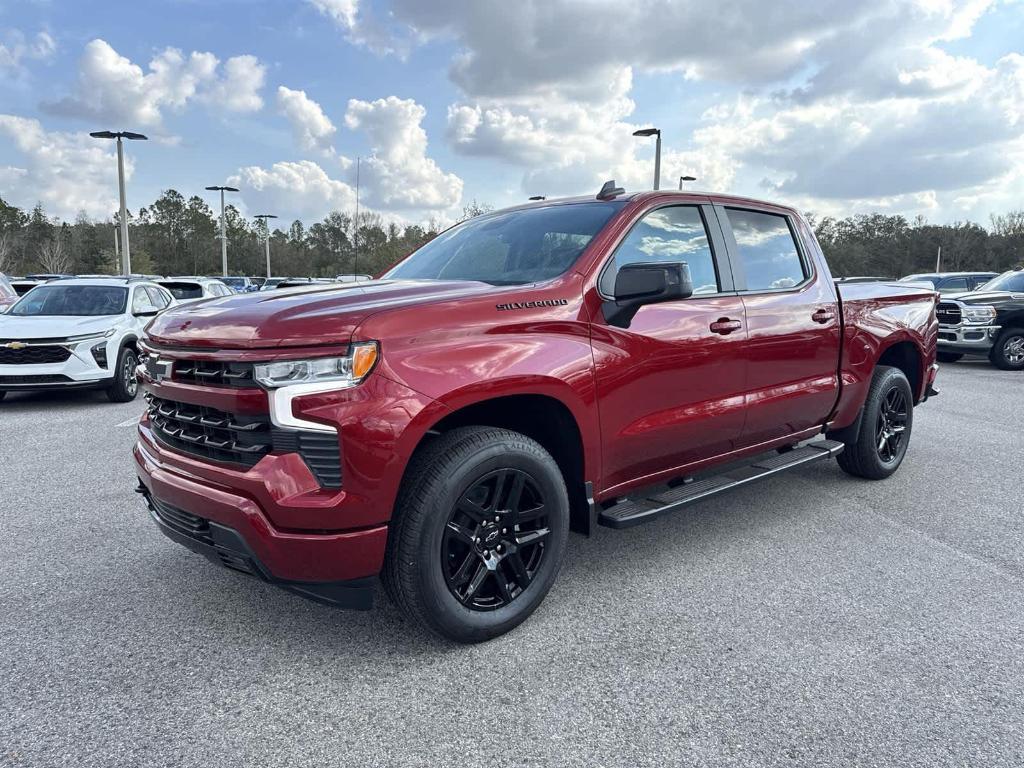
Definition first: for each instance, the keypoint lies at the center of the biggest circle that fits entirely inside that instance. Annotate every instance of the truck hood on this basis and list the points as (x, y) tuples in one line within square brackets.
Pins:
[(26, 328), (292, 317), (984, 297)]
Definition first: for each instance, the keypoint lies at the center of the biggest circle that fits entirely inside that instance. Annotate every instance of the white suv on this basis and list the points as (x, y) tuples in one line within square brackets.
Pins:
[(78, 333)]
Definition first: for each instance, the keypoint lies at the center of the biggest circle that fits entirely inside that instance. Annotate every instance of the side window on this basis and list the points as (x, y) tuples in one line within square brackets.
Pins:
[(955, 285), (672, 234), (142, 302), (767, 250), (157, 296)]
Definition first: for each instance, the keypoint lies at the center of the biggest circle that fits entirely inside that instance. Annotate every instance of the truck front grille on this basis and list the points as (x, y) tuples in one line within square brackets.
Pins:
[(209, 433), (33, 355), (214, 374), (948, 313), (244, 440)]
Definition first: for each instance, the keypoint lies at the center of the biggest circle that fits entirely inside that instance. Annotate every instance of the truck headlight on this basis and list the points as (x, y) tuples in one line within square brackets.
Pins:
[(979, 315), (344, 371)]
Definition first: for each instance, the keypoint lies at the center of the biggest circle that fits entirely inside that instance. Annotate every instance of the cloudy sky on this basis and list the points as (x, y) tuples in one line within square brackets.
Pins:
[(836, 106)]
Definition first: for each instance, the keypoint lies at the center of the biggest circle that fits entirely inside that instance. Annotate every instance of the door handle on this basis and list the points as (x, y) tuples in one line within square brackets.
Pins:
[(725, 326), (823, 316)]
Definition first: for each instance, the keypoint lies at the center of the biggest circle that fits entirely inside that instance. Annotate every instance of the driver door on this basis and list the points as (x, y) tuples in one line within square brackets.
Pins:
[(670, 387)]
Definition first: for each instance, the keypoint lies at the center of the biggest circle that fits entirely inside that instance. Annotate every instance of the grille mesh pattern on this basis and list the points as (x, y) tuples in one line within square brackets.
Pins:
[(34, 355), (210, 433), (214, 374), (948, 313)]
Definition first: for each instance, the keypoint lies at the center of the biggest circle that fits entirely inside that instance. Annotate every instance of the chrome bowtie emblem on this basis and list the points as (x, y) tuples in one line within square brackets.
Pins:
[(14, 345)]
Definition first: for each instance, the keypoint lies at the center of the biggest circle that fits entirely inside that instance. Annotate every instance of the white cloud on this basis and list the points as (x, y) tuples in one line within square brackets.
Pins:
[(16, 49), (312, 128), (111, 87), (301, 190), (67, 172), (398, 174), (341, 12)]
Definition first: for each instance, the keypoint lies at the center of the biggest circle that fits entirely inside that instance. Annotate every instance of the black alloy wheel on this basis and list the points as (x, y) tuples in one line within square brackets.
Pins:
[(494, 540), (891, 424)]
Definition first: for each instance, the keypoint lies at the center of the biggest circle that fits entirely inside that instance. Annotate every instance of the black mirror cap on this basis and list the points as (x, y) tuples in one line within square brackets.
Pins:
[(147, 313), (646, 283)]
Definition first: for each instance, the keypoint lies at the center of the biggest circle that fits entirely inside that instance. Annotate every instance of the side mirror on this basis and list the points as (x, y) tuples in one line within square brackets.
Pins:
[(646, 283)]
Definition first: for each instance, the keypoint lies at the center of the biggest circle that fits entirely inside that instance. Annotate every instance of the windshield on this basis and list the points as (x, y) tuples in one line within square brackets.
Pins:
[(72, 300), (511, 248), (1008, 281), (184, 290)]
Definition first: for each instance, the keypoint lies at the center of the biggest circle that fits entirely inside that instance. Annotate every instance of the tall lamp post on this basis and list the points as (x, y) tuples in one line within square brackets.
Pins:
[(643, 132), (223, 233), (685, 178), (264, 217), (119, 135)]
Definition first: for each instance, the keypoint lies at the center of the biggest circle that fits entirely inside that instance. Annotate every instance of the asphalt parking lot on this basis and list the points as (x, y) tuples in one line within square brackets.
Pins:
[(811, 620)]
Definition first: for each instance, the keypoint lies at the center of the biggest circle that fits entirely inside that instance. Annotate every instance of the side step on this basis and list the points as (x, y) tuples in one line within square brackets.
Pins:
[(643, 509)]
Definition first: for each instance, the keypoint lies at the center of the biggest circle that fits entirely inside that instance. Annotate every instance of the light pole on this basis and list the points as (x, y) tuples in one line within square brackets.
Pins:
[(120, 186), (223, 233), (657, 152), (264, 217), (685, 178)]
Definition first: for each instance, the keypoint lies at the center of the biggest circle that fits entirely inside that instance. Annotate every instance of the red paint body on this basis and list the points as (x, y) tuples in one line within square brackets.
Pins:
[(664, 397)]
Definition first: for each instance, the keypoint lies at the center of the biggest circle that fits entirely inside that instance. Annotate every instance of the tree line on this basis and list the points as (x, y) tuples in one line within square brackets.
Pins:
[(179, 236)]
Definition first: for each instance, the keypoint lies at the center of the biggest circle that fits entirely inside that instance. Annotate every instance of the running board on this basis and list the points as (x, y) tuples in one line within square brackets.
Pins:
[(643, 509)]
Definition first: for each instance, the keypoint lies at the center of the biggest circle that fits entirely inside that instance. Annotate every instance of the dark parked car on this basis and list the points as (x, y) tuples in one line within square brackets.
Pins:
[(988, 321), (239, 284), (951, 282)]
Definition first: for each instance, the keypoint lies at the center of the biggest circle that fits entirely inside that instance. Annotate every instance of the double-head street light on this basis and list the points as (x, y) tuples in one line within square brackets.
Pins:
[(223, 233), (127, 262), (657, 152), (264, 217), (685, 178)]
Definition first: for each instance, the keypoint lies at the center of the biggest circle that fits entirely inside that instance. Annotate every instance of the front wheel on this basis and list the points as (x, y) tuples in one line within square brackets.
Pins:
[(948, 357), (479, 533), (1008, 352), (885, 427), (125, 386)]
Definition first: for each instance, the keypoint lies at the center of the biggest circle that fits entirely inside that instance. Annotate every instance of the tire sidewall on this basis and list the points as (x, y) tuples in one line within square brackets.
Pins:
[(999, 358), (119, 391), (887, 380), (451, 617)]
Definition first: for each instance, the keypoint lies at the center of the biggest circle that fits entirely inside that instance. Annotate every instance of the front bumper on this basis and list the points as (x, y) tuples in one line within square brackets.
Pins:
[(336, 567), (79, 371), (967, 338)]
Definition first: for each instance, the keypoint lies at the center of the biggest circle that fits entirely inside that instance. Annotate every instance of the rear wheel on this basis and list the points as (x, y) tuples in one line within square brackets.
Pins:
[(1008, 352), (948, 357), (479, 533), (125, 386), (885, 427)]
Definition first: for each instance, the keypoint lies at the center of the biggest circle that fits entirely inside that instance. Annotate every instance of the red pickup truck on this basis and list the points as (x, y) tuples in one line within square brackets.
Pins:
[(541, 369)]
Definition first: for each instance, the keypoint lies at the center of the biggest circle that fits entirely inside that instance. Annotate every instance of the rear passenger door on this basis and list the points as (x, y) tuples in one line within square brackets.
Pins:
[(793, 328)]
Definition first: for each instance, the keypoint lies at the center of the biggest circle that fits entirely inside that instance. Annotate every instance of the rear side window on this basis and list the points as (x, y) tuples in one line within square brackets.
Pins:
[(666, 235), (767, 250), (954, 285)]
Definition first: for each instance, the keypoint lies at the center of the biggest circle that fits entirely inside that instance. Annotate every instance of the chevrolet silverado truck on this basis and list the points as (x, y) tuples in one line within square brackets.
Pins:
[(552, 367), (988, 321)]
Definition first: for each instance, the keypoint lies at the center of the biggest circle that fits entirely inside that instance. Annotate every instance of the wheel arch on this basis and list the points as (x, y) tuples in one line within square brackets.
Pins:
[(906, 356), (542, 417)]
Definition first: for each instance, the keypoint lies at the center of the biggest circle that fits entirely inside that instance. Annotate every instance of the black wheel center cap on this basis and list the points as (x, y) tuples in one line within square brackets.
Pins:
[(490, 534)]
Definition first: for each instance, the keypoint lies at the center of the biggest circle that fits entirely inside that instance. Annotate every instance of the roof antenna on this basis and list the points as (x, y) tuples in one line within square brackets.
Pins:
[(609, 191)]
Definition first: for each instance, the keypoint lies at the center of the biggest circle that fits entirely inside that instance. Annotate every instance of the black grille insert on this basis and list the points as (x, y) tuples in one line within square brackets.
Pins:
[(948, 313), (33, 355), (210, 433), (214, 374), (235, 439), (41, 378)]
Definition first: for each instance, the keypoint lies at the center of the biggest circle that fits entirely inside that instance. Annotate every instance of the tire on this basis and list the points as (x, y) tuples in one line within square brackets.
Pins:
[(443, 537), (125, 386), (870, 456), (1008, 352), (948, 357)]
